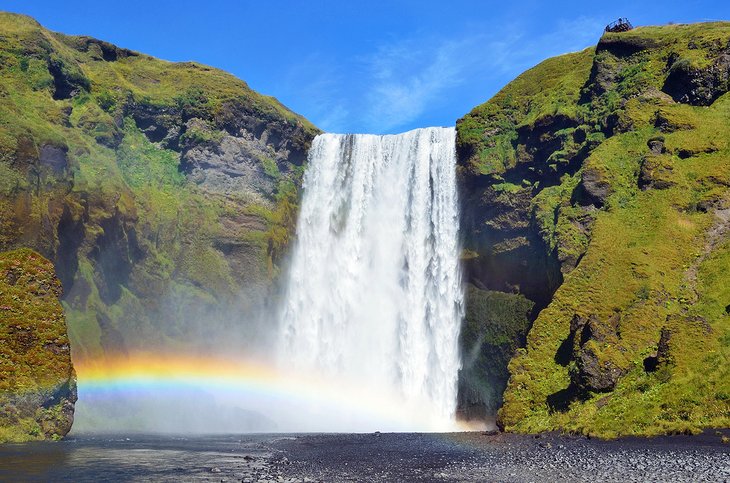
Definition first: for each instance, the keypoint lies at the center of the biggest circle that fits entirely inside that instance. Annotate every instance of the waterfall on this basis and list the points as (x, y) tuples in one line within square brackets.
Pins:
[(374, 292)]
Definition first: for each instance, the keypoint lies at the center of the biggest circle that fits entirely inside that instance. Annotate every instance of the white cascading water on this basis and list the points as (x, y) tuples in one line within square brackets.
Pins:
[(374, 294)]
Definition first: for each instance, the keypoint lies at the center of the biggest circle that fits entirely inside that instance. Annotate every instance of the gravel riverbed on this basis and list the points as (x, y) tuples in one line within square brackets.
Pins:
[(387, 457)]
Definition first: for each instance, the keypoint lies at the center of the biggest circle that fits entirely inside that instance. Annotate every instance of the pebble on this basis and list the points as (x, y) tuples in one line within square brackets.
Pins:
[(416, 458)]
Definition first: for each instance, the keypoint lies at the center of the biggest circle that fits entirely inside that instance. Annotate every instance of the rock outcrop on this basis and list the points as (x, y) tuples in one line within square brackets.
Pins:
[(593, 185), (164, 193), (37, 379)]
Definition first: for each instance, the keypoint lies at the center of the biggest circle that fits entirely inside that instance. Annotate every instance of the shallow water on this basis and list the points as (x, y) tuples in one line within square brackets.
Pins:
[(135, 458), (400, 457)]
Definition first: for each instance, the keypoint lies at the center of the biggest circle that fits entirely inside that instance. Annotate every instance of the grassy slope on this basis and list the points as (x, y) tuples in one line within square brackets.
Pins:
[(649, 258), (116, 175)]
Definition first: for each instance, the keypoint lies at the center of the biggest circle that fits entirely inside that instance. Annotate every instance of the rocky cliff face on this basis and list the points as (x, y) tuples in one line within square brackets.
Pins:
[(37, 380), (595, 186), (164, 193)]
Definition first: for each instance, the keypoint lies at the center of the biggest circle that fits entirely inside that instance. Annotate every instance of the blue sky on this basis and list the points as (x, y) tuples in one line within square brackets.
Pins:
[(373, 66)]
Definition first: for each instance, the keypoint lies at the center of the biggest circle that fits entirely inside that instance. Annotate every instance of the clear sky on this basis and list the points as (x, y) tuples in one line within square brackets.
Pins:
[(374, 66)]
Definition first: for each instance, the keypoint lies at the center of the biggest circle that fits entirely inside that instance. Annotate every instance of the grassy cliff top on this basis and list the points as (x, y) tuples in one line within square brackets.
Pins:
[(109, 73), (558, 86), (163, 192), (621, 156), (99, 80)]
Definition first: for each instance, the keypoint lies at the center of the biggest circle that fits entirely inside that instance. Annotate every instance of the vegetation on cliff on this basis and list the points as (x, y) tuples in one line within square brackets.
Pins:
[(597, 184), (495, 325), (163, 192), (37, 380)]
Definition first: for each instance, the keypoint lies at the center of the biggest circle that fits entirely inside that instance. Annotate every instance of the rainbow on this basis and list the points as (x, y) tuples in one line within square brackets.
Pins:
[(244, 381)]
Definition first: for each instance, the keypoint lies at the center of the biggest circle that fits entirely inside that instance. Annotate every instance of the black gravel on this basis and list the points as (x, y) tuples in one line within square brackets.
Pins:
[(501, 457), (399, 457)]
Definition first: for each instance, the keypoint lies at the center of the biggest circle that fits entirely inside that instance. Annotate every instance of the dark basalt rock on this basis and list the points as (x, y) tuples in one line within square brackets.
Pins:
[(225, 151), (656, 173), (593, 189), (595, 375), (590, 337), (290, 141), (97, 49), (53, 157), (500, 226), (115, 252), (656, 145), (68, 80), (662, 355), (495, 326), (667, 125), (602, 77), (624, 46), (698, 87), (161, 124), (233, 165)]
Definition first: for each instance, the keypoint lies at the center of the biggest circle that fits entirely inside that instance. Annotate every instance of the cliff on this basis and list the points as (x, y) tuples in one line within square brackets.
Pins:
[(37, 380), (597, 186), (164, 193)]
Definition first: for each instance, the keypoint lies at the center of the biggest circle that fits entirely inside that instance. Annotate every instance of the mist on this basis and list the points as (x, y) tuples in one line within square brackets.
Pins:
[(360, 332)]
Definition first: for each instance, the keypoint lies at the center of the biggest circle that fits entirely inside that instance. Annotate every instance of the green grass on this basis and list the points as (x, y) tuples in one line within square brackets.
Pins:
[(116, 179), (639, 251)]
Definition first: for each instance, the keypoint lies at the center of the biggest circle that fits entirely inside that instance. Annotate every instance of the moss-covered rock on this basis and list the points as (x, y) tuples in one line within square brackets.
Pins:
[(37, 379), (495, 325), (596, 185), (164, 193)]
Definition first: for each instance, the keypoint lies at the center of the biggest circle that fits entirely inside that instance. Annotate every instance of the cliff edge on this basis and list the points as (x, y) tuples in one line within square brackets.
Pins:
[(596, 185)]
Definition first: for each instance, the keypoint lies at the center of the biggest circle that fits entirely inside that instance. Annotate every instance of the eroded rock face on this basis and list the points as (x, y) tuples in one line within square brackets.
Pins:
[(164, 197), (593, 189), (495, 326), (580, 174), (232, 164), (656, 173), (698, 86), (38, 383), (597, 353)]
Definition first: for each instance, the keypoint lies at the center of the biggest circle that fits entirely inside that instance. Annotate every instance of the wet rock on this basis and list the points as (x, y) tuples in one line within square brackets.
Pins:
[(495, 326), (53, 157)]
